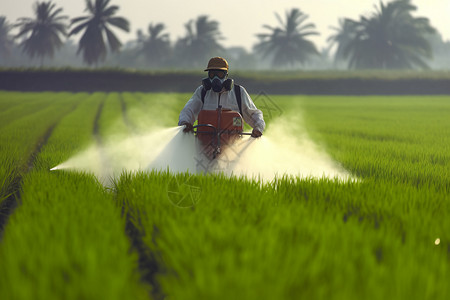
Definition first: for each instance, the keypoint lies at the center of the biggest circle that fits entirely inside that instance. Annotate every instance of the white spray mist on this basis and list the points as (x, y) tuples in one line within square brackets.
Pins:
[(285, 149)]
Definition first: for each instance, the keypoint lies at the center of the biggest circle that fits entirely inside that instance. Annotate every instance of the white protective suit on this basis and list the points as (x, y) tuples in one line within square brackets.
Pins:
[(251, 115)]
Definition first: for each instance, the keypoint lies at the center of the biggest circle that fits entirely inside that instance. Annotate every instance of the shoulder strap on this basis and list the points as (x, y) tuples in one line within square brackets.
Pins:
[(203, 95), (237, 92)]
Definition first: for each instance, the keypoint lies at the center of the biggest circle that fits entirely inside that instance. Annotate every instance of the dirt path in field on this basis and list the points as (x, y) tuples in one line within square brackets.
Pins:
[(8, 205)]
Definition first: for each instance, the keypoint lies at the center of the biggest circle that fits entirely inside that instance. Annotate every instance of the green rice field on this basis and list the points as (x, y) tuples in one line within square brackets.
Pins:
[(385, 235)]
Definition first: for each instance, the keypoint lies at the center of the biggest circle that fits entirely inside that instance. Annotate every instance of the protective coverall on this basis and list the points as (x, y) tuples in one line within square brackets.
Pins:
[(251, 115)]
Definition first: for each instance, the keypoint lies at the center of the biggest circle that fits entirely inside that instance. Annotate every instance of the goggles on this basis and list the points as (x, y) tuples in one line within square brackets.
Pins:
[(219, 73)]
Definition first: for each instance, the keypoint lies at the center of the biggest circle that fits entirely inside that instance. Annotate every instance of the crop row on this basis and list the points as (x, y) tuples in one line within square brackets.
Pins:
[(24, 127), (66, 240), (399, 139), (69, 231), (312, 238), (377, 237)]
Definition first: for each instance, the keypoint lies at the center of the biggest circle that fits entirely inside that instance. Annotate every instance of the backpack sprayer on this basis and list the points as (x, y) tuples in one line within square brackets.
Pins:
[(219, 127)]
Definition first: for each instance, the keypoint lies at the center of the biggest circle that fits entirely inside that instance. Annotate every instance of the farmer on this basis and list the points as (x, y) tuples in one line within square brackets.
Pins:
[(232, 97)]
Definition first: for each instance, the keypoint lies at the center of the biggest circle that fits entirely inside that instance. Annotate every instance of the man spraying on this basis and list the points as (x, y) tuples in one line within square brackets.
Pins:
[(218, 89)]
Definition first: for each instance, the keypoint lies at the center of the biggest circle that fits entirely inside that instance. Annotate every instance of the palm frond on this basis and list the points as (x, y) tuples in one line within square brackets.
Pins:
[(90, 7), (119, 22), (113, 41), (390, 38), (287, 45), (92, 44), (80, 27), (108, 12), (77, 20), (43, 34)]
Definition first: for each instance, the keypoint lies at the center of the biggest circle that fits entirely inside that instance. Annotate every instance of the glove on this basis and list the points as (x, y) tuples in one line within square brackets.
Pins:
[(256, 133), (187, 127)]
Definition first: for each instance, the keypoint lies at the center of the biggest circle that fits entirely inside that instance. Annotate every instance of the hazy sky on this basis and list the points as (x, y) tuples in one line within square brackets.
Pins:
[(239, 20)]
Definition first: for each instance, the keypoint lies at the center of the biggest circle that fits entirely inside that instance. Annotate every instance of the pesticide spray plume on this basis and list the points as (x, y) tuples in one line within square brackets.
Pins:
[(284, 150), (139, 152)]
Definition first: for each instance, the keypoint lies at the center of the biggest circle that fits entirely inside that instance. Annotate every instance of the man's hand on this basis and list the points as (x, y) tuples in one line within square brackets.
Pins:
[(187, 127), (256, 133)]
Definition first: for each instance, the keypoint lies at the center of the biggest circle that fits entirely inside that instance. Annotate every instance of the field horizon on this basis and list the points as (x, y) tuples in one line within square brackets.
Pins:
[(327, 82)]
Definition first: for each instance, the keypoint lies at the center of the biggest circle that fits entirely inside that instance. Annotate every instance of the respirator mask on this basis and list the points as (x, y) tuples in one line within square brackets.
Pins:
[(217, 80)]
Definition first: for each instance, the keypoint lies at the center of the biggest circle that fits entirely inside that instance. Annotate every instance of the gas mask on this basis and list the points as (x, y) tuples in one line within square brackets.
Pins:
[(217, 84)]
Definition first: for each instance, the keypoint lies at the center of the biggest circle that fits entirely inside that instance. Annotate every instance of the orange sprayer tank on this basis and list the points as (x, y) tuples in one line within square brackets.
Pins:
[(231, 125)]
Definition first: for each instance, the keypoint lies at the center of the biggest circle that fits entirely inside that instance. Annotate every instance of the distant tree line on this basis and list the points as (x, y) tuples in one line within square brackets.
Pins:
[(390, 38)]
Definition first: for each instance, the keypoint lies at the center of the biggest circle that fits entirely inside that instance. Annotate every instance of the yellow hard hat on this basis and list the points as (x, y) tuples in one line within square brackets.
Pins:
[(217, 63)]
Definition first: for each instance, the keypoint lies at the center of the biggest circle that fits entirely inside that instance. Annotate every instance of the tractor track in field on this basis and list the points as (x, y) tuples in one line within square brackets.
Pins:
[(40, 143), (95, 130), (125, 117), (8, 205), (147, 263)]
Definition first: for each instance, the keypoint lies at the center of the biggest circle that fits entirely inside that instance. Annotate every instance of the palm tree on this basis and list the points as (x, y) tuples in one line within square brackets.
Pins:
[(43, 34), (288, 43), (390, 39), (96, 27), (6, 41), (343, 36), (200, 43), (155, 47)]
